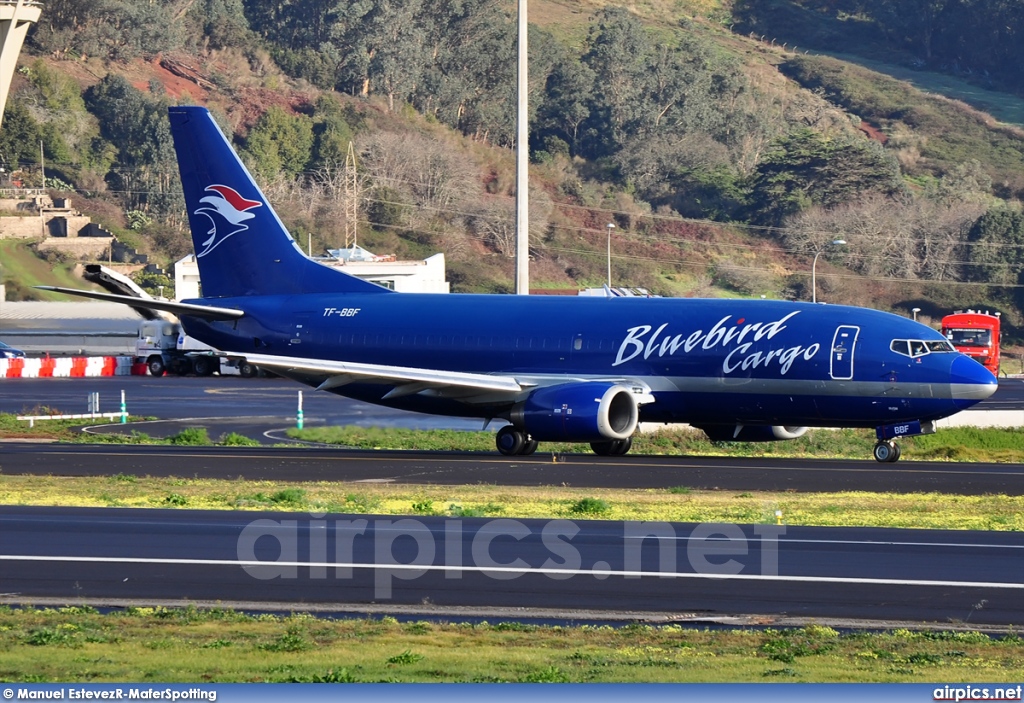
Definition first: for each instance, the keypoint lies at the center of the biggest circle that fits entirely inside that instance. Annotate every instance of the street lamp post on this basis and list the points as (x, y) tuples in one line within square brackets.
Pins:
[(915, 311), (610, 227), (814, 265)]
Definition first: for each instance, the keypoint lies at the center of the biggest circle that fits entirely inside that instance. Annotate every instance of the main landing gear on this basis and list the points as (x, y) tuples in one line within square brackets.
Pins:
[(514, 442), (616, 447), (886, 451)]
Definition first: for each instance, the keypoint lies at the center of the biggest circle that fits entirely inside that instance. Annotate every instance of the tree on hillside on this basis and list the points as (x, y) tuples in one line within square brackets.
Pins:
[(422, 172), (137, 126), (394, 47), (293, 24), (331, 134), (222, 23), (913, 21), (469, 65), (997, 247), (280, 142), (893, 237), (618, 53), (566, 103), (119, 30), (20, 136), (806, 168)]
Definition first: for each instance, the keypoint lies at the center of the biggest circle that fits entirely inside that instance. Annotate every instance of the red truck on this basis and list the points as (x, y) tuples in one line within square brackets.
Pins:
[(975, 334)]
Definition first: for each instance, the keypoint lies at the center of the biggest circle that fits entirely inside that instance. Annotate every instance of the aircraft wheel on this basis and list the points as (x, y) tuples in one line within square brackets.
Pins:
[(510, 441), (622, 446), (247, 370), (615, 447), (529, 447), (896, 452), (886, 452), (156, 366)]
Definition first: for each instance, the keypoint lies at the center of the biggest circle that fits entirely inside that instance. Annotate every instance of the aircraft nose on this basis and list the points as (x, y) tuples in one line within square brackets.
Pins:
[(970, 382)]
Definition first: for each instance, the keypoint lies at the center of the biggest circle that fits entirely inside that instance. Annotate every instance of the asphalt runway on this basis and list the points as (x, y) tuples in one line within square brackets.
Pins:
[(447, 566), (450, 468), (84, 555), (262, 407), (253, 404), (1009, 396), (259, 405)]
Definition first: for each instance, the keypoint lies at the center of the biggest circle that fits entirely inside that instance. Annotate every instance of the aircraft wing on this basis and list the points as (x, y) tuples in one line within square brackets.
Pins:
[(408, 380)]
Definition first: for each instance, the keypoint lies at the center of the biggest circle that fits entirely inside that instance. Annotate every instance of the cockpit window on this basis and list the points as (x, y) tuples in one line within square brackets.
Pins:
[(919, 347)]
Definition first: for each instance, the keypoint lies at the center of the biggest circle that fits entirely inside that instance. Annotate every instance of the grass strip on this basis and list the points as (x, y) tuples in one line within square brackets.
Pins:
[(676, 504), (77, 644), (967, 444), (951, 444)]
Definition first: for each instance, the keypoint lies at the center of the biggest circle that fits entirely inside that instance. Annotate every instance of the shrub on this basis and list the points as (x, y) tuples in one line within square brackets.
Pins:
[(191, 436), (590, 506), (406, 657)]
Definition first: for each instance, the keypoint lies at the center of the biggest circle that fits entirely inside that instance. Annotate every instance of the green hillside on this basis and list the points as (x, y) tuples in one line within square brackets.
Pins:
[(725, 156), (21, 268)]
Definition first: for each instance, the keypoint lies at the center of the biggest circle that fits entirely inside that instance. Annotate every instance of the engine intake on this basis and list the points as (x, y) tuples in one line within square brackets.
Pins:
[(751, 433), (578, 412)]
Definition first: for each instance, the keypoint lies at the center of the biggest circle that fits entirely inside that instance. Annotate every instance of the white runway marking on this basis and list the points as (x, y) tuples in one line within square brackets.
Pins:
[(516, 570)]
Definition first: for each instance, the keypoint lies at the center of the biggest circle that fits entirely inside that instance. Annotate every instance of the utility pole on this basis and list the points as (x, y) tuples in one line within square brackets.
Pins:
[(610, 227), (42, 176), (522, 164)]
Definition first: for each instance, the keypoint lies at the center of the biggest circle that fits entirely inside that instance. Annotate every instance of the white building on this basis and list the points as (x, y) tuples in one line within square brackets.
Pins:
[(427, 276)]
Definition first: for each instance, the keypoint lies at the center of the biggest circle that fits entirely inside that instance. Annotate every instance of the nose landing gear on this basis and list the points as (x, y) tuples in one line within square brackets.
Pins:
[(886, 452)]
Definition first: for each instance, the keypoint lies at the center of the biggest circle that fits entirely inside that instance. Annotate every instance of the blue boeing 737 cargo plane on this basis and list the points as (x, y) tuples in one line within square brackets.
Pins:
[(556, 369)]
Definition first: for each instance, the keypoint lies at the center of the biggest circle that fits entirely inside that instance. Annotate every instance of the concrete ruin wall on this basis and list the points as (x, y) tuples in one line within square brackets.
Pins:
[(91, 248)]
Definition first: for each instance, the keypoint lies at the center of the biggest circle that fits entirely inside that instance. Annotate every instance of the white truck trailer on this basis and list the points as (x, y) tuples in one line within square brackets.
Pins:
[(164, 347)]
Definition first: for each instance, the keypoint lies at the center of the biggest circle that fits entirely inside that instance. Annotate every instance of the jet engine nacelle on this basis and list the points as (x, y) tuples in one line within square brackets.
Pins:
[(578, 412), (751, 433)]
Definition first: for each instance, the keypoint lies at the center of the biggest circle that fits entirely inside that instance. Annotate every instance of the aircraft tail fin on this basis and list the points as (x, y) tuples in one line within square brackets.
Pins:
[(241, 245)]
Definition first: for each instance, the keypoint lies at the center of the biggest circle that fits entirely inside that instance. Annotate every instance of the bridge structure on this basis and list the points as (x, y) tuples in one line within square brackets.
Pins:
[(16, 16)]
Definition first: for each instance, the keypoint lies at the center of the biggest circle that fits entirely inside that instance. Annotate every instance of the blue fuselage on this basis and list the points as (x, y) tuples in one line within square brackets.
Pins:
[(712, 361)]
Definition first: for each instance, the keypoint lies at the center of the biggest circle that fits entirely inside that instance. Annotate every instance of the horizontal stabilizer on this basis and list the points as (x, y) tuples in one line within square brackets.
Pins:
[(206, 312)]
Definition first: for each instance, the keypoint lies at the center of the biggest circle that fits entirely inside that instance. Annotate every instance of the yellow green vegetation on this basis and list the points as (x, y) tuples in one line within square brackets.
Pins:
[(183, 645), (968, 444), (678, 504), (951, 444), (23, 269)]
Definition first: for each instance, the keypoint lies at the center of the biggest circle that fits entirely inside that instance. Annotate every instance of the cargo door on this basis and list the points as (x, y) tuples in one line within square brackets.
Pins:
[(843, 344)]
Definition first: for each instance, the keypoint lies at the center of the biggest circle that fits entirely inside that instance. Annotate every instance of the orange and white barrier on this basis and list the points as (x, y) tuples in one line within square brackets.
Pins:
[(66, 366)]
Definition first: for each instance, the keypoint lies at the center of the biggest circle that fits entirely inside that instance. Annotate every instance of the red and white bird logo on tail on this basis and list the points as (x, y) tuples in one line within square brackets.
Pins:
[(231, 211)]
